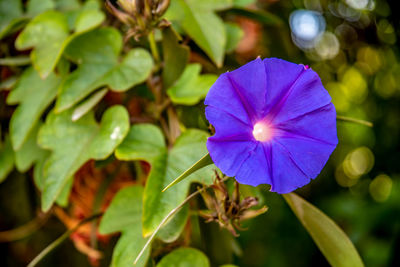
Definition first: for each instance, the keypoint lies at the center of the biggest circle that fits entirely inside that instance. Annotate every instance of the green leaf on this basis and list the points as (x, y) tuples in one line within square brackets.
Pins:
[(99, 67), (191, 87), (10, 17), (330, 239), (124, 211), (89, 16), (6, 159), (176, 56), (88, 104), (197, 19), (125, 214), (234, 34), (34, 96), (146, 142), (182, 257), (201, 163), (261, 16), (243, 3), (29, 153), (35, 7), (210, 5), (128, 247), (74, 143), (48, 34)]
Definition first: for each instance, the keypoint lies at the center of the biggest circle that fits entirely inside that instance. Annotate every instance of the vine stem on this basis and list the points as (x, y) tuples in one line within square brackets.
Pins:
[(169, 215), (61, 239), (353, 120), (153, 47)]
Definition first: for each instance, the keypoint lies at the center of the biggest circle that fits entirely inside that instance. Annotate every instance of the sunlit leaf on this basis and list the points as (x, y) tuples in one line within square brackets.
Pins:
[(74, 143), (125, 215), (330, 239), (48, 33), (146, 142), (34, 95), (99, 67), (191, 87), (185, 257)]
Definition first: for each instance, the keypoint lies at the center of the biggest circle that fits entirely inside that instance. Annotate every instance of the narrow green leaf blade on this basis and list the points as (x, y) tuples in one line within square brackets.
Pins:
[(330, 239), (203, 162), (88, 104)]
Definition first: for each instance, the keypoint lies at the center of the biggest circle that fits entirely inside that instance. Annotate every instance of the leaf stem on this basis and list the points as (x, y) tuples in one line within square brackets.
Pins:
[(25, 230), (169, 215), (61, 239), (153, 48), (353, 120)]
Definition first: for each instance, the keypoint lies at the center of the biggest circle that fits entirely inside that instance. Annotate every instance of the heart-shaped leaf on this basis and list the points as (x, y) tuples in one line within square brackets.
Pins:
[(99, 67), (74, 143), (146, 142)]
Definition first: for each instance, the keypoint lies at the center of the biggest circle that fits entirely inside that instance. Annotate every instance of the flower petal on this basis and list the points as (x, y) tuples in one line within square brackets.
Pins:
[(227, 126), (228, 156), (280, 76), (256, 169), (319, 124), (309, 143), (249, 81), (307, 94), (222, 95), (286, 175), (292, 90)]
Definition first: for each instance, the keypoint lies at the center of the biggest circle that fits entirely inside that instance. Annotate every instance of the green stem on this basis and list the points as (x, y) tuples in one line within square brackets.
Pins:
[(24, 230), (347, 119), (153, 47), (61, 239)]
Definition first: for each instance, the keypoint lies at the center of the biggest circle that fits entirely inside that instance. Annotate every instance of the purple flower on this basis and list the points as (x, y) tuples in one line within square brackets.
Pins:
[(274, 124)]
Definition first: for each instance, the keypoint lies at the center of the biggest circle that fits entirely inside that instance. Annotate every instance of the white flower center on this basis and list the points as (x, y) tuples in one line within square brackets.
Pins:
[(262, 132)]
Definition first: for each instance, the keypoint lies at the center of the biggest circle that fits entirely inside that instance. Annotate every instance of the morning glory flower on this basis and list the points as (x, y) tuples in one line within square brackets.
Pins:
[(274, 124)]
